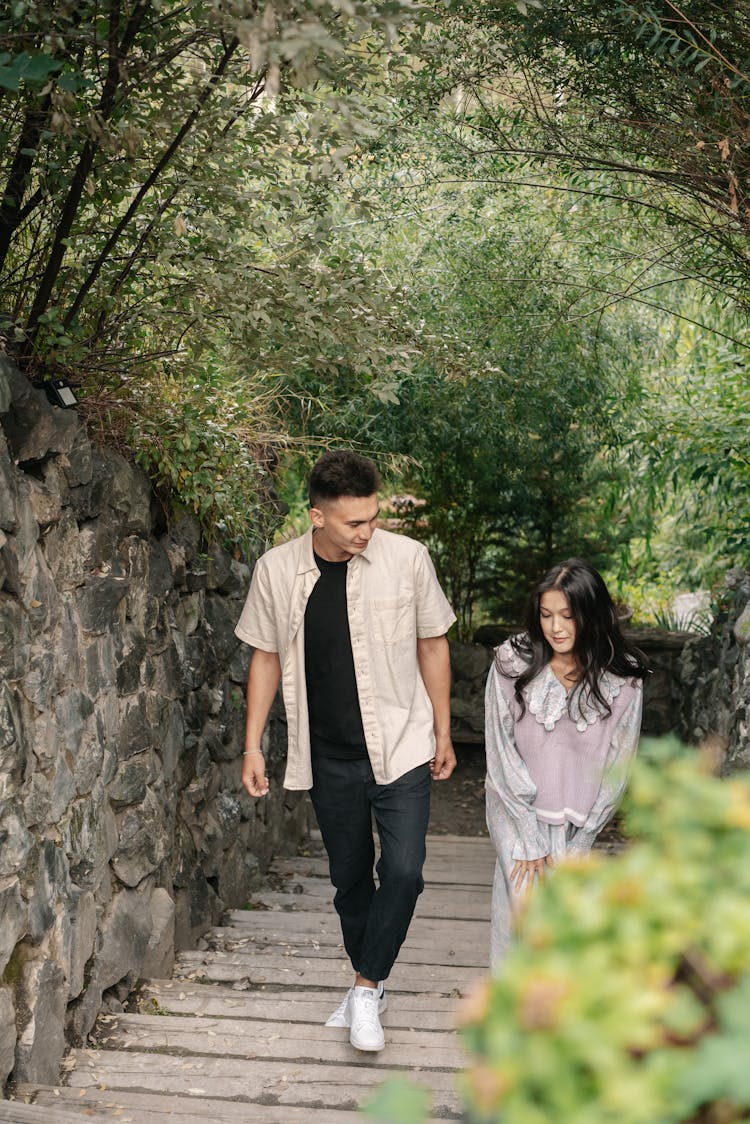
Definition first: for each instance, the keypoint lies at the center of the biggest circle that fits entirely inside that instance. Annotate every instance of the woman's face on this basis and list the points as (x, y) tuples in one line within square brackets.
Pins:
[(557, 621)]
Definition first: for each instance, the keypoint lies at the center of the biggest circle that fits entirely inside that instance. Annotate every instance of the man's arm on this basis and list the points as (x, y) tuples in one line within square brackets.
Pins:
[(434, 664), (262, 684)]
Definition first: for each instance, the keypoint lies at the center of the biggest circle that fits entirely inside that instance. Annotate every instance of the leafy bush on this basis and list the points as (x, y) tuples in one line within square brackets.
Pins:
[(207, 442), (627, 999)]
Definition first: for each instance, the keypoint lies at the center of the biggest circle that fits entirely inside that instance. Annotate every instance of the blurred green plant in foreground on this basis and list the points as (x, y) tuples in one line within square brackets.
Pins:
[(627, 1000)]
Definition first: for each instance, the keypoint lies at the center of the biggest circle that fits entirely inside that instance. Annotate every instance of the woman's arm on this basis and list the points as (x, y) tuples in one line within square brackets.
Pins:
[(621, 751), (508, 776)]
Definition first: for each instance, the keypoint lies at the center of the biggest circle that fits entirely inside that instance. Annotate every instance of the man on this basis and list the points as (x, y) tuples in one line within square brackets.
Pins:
[(351, 619)]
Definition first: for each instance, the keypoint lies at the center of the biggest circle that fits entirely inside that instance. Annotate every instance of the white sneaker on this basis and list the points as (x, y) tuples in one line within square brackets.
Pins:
[(340, 1016), (366, 1032)]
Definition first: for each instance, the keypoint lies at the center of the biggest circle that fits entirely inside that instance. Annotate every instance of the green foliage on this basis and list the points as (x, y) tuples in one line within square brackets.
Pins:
[(164, 177), (625, 1000), (398, 1101), (201, 439)]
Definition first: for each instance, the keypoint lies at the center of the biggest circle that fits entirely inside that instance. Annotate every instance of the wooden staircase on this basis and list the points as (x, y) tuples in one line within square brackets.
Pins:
[(237, 1034)]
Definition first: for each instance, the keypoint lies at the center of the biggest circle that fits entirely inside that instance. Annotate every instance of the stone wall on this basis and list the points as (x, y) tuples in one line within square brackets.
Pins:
[(124, 831), (715, 678)]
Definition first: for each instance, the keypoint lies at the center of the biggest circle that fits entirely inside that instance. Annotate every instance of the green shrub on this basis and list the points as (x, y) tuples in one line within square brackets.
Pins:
[(628, 998)]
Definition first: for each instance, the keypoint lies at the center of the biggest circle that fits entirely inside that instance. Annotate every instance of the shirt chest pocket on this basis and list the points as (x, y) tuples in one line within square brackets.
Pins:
[(393, 618)]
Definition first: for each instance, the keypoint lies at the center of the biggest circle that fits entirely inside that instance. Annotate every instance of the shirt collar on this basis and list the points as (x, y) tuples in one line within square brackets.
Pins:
[(307, 554)]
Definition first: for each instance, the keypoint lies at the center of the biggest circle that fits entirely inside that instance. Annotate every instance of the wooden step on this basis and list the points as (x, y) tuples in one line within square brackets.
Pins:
[(68, 1106), (300, 972), (428, 1012), (278, 1040), (457, 903), (280, 1082), (237, 1034)]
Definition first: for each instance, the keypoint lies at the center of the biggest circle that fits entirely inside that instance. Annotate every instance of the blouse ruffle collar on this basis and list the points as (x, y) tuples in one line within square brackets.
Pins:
[(548, 700)]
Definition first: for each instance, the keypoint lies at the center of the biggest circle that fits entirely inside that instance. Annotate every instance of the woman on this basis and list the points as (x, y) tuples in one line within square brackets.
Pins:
[(563, 715)]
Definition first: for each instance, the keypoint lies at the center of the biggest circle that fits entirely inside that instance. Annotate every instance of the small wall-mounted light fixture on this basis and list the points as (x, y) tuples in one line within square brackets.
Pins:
[(59, 392)]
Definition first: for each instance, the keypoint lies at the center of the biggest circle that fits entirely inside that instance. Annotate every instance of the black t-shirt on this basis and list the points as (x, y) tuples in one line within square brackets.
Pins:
[(332, 700)]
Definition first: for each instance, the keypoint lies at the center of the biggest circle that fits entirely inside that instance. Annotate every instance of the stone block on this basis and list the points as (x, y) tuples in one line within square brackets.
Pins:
[(742, 627), (177, 562), (144, 839), (142, 608), (99, 666), (189, 612), (39, 593), (89, 832), (128, 494), (35, 429), (125, 930), (38, 683), (160, 576), (171, 733), (62, 550), (218, 567), (51, 884), (7, 1034), (195, 666), (98, 600), (159, 959), (46, 506), (136, 732), (82, 938), (78, 461), (12, 919), (197, 908), (237, 581), (6, 388), (239, 664), (185, 533), (68, 642), (41, 998), (20, 545), (131, 781), (91, 759), (196, 576), (16, 843), (12, 740), (72, 710), (8, 489), (221, 617), (162, 672)]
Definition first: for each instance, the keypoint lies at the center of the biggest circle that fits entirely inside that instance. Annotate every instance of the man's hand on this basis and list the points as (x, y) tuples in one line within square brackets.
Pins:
[(444, 761), (254, 773), (526, 870)]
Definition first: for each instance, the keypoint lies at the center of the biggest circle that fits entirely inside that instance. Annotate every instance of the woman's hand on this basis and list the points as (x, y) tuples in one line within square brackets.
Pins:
[(254, 773), (526, 870)]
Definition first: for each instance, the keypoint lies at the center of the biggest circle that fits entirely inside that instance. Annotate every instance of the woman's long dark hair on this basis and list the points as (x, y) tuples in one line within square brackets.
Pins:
[(599, 644)]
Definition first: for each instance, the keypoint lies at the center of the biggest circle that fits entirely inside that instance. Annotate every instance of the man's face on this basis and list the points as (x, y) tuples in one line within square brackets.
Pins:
[(344, 527)]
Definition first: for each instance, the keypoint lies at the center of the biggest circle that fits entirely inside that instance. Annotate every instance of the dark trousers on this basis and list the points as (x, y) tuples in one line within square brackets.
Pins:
[(374, 921)]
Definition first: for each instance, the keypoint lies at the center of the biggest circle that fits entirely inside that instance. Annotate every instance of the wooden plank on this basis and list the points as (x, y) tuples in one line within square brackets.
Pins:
[(430, 1012), (455, 903), (303, 972), (437, 871), (18, 1112), (283, 1083), (323, 925), (233, 1038), (139, 1108), (466, 953)]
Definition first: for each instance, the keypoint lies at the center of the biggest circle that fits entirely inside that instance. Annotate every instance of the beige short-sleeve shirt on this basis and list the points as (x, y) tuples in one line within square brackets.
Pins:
[(393, 599)]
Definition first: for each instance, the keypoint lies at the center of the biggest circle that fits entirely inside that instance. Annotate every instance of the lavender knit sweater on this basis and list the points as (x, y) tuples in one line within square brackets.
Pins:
[(554, 776)]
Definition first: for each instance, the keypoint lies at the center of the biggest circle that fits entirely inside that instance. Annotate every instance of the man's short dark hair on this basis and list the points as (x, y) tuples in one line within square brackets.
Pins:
[(341, 472)]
